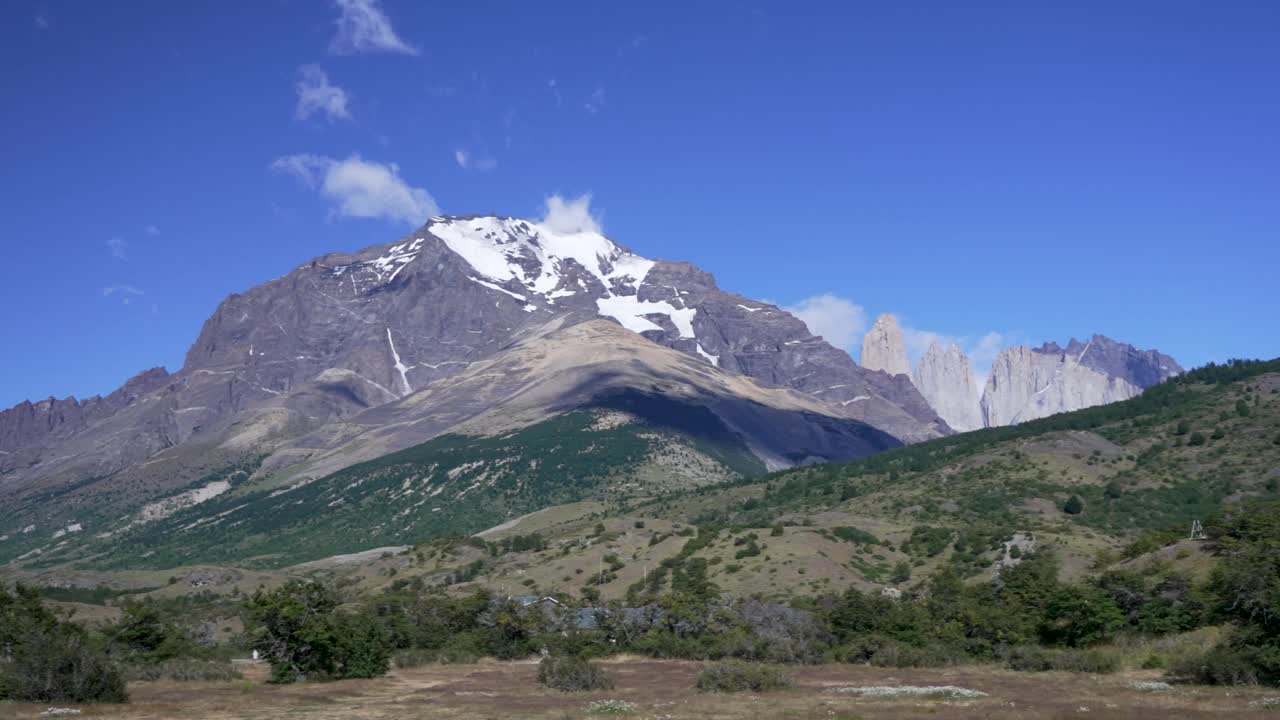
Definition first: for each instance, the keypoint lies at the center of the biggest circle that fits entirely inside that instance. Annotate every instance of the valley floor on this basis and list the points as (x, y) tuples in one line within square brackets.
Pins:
[(663, 690)]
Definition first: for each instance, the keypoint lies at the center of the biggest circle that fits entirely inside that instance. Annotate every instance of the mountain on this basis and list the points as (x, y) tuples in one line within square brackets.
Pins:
[(946, 380), (468, 326), (1025, 384), (1142, 368), (883, 348)]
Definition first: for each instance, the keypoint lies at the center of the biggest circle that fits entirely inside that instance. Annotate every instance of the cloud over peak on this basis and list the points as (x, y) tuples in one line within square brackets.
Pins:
[(317, 96), (364, 27), (571, 216), (838, 320), (360, 188)]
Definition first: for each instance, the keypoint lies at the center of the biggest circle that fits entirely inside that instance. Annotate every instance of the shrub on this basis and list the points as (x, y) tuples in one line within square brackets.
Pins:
[(1033, 658), (44, 658), (1073, 506), (184, 670), (303, 636), (413, 657), (899, 655), (1078, 616), (573, 673), (736, 676), (1219, 665), (57, 664)]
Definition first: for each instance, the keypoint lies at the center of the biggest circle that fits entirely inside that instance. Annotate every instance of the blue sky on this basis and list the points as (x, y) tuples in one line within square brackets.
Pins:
[(1032, 170)]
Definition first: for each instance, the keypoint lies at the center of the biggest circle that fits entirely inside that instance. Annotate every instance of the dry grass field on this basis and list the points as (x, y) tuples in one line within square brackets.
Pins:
[(664, 690)]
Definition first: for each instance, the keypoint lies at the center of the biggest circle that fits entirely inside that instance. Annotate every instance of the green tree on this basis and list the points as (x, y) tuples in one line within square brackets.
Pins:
[(302, 634), (1079, 616), (144, 635), (1073, 506), (46, 658), (901, 572)]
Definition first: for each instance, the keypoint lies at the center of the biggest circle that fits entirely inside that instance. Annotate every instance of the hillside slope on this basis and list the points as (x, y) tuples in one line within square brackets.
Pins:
[(1144, 469)]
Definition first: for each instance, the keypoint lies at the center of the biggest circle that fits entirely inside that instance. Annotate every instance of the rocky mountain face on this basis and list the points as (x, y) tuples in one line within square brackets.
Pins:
[(946, 380), (351, 354), (883, 348), (1026, 383), (1143, 368)]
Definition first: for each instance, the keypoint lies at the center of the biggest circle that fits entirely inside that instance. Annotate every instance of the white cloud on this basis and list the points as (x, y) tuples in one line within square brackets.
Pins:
[(571, 216), (838, 320), (42, 21), (596, 102), (480, 160), (152, 230), (126, 293), (364, 27), (119, 247), (555, 91), (316, 95), (360, 188)]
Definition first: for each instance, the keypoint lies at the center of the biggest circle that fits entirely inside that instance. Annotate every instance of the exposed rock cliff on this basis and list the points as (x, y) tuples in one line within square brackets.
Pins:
[(1026, 384), (946, 380), (883, 348)]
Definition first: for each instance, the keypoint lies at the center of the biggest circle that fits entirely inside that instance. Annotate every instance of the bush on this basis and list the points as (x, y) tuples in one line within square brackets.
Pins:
[(1220, 665), (573, 673), (44, 658), (899, 655), (1033, 658), (301, 633), (1073, 506), (184, 670), (735, 676), (57, 664), (1079, 616)]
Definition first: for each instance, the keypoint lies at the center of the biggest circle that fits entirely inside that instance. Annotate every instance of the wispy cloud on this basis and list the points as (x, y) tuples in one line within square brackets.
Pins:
[(571, 216), (364, 27), (125, 293), (554, 86), (316, 95), (635, 43), (596, 101), (838, 320), (479, 159), (119, 247), (42, 21), (359, 188), (152, 230)]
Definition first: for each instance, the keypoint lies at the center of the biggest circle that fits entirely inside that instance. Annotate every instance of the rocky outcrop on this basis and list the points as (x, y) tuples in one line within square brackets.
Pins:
[(946, 380), (883, 348), (1026, 384), (1143, 368)]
